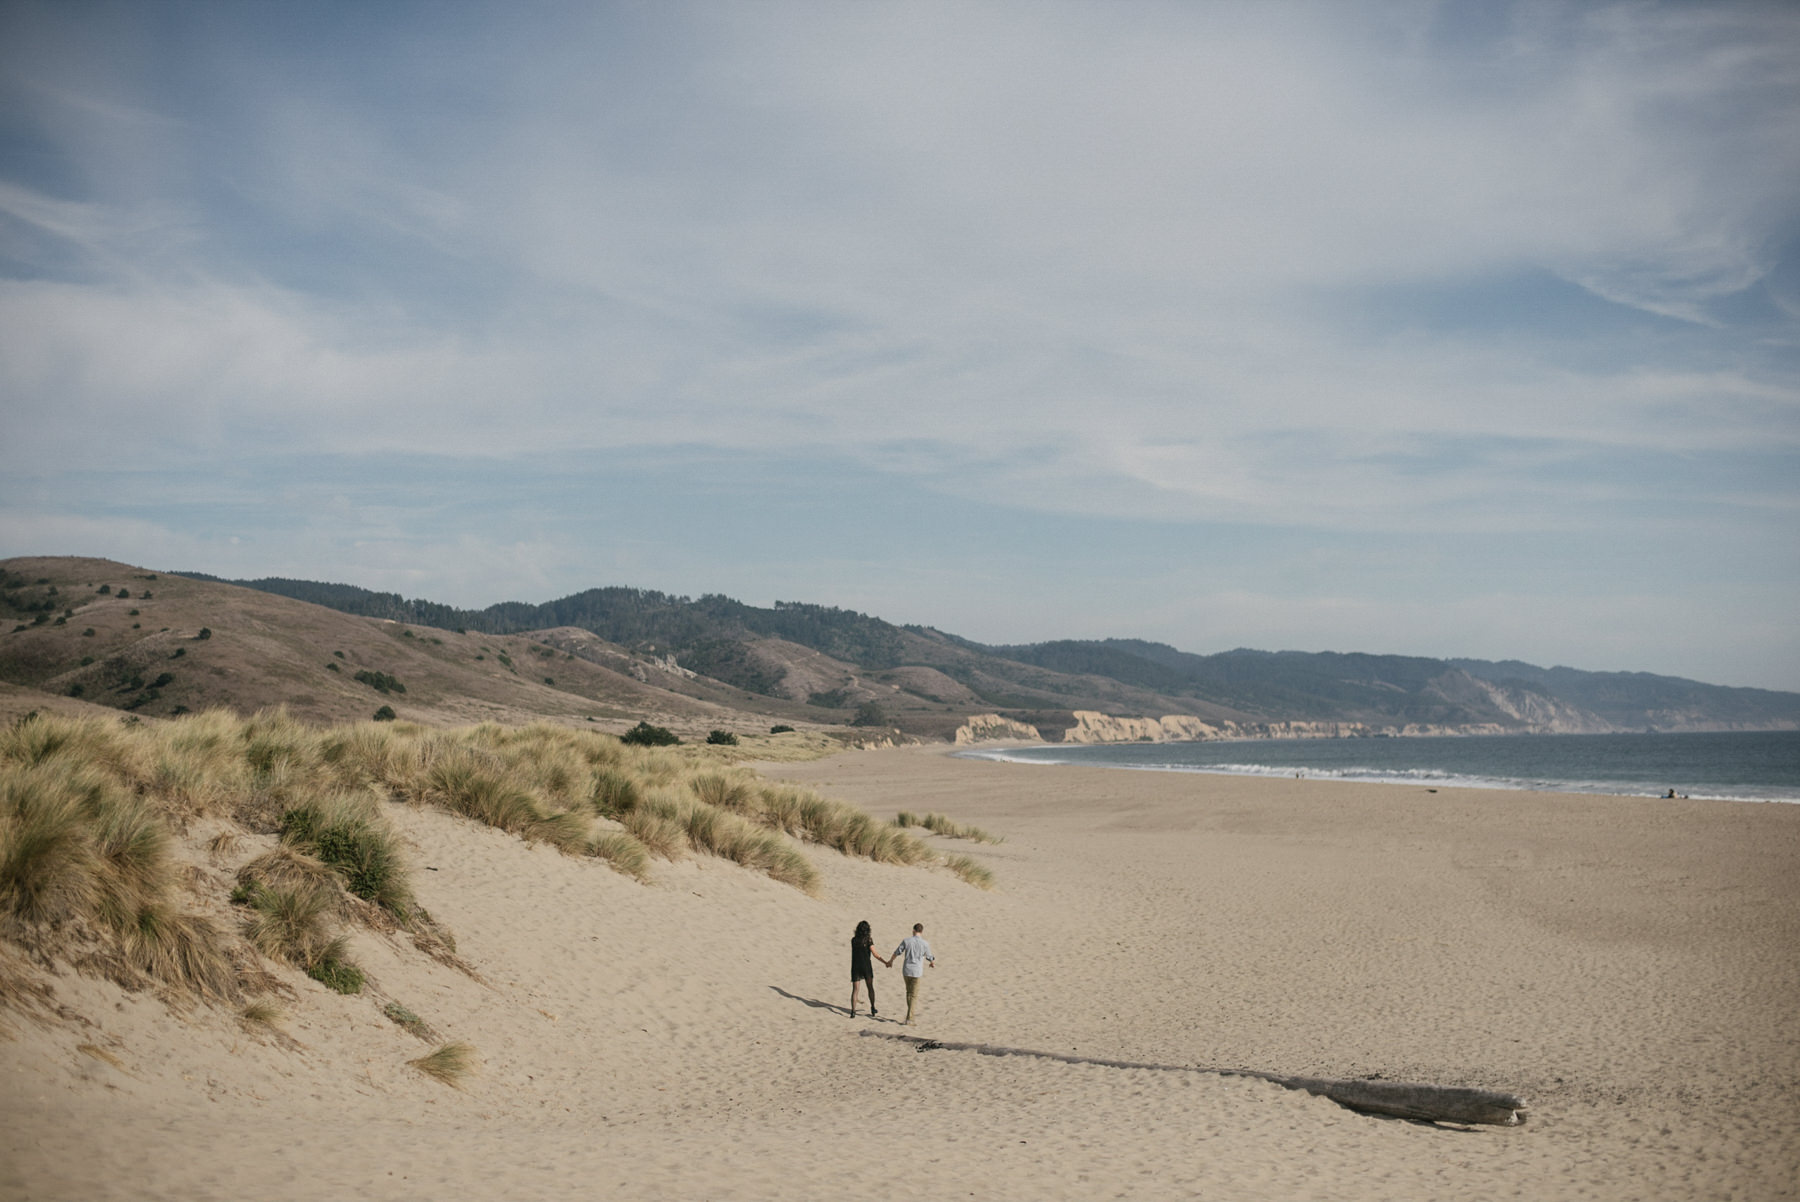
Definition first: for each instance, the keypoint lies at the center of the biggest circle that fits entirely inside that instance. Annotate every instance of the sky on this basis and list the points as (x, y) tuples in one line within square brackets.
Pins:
[(1448, 329)]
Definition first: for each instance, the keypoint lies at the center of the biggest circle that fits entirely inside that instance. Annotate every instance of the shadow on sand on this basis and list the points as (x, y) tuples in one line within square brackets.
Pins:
[(816, 1004)]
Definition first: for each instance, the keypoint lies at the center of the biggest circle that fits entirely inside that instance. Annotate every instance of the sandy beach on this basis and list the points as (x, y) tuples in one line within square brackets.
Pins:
[(1628, 966)]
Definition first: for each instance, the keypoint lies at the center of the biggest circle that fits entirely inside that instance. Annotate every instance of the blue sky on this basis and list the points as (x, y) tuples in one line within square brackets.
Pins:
[(1442, 329)]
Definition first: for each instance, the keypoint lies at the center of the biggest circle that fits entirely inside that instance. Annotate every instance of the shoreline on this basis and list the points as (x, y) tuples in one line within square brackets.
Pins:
[(1429, 768)]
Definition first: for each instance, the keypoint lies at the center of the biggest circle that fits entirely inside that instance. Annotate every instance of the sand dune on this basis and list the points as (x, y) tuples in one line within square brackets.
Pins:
[(1628, 966)]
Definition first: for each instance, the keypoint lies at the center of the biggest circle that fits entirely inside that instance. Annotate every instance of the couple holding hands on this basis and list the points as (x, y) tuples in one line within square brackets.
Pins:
[(917, 955)]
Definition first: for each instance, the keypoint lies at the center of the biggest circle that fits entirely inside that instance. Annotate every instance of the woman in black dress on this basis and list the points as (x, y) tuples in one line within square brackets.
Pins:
[(862, 965)]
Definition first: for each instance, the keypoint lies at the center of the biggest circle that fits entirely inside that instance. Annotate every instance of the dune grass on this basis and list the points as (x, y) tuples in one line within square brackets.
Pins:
[(622, 852), (262, 1014), (76, 848), (335, 971), (450, 1063), (939, 824), (971, 871), (89, 807), (290, 923), (49, 867), (345, 831), (185, 950)]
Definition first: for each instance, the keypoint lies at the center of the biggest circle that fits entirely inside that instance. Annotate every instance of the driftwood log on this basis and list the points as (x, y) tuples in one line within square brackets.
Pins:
[(1399, 1099)]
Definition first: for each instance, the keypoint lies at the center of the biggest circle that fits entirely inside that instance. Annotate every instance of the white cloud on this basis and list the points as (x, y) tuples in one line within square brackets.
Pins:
[(1163, 262)]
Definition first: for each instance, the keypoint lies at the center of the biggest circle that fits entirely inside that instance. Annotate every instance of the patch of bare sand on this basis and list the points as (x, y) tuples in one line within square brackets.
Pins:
[(1627, 965)]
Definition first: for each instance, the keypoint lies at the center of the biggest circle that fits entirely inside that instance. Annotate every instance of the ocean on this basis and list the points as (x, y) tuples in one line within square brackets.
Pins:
[(1734, 766)]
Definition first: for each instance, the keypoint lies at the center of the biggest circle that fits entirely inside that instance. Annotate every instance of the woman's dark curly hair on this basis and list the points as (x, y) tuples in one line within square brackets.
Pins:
[(862, 931)]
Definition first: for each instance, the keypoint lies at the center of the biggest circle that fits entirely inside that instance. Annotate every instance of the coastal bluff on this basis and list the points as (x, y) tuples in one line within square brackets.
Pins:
[(1092, 726)]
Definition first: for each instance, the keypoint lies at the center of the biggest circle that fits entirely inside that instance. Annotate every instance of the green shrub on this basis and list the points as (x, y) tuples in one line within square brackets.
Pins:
[(205, 633), (722, 738), (780, 729), (88, 633), (385, 714), (381, 682), (869, 714), (646, 735)]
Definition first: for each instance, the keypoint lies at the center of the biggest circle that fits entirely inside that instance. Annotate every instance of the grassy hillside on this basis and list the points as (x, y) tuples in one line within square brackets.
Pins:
[(160, 645), (843, 667), (612, 656)]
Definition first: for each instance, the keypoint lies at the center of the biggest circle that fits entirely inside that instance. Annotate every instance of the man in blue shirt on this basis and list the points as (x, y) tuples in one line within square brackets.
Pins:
[(918, 955)]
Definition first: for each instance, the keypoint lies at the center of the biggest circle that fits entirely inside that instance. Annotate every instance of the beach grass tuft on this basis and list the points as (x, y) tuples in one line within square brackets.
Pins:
[(49, 870), (939, 824), (334, 969), (725, 791), (184, 950), (728, 836), (971, 871), (262, 1014), (450, 1063), (615, 792), (345, 831), (567, 831), (622, 852)]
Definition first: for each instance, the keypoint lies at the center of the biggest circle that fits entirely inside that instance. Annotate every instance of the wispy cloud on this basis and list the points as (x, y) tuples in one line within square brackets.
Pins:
[(1385, 271)]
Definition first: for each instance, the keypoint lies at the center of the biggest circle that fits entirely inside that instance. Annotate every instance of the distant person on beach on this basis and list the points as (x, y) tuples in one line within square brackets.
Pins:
[(918, 955), (862, 965)]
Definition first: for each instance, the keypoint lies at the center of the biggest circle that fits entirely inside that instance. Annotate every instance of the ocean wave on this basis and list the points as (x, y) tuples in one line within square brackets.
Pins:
[(1362, 774)]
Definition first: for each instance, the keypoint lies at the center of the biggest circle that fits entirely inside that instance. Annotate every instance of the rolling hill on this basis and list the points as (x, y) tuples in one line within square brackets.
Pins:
[(160, 643)]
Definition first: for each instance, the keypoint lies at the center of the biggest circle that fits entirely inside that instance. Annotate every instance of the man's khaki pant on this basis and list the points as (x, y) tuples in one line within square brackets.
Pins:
[(912, 995)]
